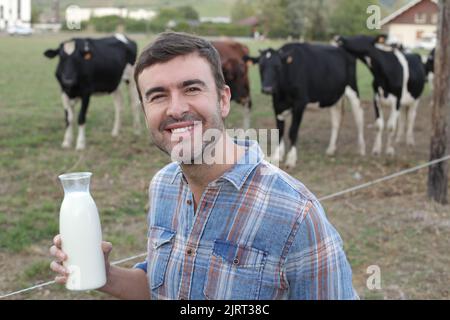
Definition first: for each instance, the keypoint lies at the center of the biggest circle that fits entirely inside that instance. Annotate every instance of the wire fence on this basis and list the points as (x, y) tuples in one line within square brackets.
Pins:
[(324, 198)]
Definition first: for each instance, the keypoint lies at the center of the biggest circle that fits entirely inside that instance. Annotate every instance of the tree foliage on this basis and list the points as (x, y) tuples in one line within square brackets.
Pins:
[(295, 18), (242, 9), (177, 14), (310, 20), (350, 16)]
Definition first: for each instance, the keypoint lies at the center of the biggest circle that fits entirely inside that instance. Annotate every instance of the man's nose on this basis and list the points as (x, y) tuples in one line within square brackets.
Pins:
[(177, 107)]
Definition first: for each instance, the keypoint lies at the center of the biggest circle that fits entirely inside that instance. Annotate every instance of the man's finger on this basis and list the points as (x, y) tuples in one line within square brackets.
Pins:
[(57, 240), (55, 266), (61, 280), (106, 247), (58, 254)]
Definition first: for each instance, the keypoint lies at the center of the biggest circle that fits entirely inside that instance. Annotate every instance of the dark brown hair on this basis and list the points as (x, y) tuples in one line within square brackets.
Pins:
[(169, 45)]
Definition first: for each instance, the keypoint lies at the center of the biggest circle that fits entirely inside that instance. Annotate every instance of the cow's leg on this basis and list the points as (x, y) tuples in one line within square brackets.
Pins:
[(278, 152), (81, 139), (336, 116), (412, 111), (69, 110), (402, 118), (133, 100), (358, 115), (379, 123), (118, 104), (297, 115), (392, 124), (247, 107)]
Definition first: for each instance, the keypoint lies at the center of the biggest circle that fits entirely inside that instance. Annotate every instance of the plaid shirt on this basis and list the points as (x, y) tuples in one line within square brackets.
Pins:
[(258, 233)]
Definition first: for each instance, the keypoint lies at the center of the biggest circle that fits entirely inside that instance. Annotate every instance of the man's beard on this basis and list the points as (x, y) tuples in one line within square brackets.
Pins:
[(193, 148)]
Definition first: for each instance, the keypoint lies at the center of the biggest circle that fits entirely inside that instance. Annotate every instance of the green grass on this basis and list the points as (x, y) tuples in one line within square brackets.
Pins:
[(37, 270), (375, 224)]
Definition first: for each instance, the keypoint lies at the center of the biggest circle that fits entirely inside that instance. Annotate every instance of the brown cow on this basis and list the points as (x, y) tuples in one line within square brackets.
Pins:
[(235, 71)]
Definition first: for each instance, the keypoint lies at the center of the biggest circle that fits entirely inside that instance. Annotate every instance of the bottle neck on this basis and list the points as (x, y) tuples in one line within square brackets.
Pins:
[(76, 182)]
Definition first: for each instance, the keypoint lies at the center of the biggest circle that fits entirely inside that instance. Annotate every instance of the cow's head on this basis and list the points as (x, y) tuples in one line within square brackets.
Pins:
[(429, 64), (360, 45), (72, 55), (235, 74), (270, 65)]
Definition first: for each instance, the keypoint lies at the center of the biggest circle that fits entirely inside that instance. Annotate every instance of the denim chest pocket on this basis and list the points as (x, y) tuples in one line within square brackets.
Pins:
[(234, 272), (160, 244)]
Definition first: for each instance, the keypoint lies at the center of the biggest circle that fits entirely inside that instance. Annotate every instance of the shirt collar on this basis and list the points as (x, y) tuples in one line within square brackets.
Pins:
[(238, 174)]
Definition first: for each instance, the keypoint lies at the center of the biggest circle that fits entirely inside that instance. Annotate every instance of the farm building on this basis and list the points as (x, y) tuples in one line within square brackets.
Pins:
[(412, 23), (15, 13), (77, 14)]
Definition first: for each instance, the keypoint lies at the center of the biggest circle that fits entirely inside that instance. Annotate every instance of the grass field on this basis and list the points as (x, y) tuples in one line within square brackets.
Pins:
[(391, 225)]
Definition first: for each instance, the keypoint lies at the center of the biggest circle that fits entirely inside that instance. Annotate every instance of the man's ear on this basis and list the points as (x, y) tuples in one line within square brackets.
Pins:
[(225, 101), (51, 53)]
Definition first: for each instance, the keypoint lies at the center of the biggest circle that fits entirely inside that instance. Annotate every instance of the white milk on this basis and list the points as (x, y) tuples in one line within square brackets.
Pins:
[(81, 234)]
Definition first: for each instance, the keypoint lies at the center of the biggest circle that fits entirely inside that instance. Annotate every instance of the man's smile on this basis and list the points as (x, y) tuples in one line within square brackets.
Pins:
[(182, 129)]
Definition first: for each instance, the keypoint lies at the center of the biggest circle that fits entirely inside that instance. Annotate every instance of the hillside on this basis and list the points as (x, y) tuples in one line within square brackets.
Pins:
[(205, 8), (208, 8)]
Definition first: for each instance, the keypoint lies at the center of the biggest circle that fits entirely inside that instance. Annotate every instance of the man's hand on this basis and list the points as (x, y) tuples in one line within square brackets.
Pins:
[(60, 257), (120, 282)]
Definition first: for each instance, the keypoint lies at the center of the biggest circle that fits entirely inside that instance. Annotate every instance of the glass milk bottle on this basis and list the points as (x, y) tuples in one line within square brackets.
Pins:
[(81, 235)]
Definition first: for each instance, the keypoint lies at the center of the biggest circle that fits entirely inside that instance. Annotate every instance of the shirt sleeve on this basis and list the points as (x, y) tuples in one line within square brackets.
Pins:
[(316, 267), (141, 265)]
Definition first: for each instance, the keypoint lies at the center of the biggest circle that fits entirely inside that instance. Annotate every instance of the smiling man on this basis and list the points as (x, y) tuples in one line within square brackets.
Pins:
[(239, 229)]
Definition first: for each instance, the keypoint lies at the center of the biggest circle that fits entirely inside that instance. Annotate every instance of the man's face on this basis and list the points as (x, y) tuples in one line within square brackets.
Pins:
[(181, 102)]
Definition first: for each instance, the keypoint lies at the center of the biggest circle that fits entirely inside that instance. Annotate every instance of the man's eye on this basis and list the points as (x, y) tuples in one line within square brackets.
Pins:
[(156, 98), (192, 90)]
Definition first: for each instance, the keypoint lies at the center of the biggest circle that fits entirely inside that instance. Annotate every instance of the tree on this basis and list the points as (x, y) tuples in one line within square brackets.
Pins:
[(296, 18), (282, 18), (35, 15), (350, 17), (438, 173), (188, 13), (242, 9), (177, 14), (316, 20)]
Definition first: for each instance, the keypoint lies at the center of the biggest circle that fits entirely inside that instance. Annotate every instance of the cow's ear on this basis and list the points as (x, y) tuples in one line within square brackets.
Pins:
[(287, 56), (381, 38), (250, 60), (338, 39), (87, 55), (51, 53)]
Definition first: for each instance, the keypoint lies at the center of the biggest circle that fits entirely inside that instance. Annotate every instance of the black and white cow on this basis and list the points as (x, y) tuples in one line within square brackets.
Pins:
[(429, 68), (90, 66), (398, 82), (299, 74)]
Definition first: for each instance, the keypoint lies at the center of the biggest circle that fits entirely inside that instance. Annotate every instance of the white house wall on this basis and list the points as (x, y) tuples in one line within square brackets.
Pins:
[(10, 13), (77, 14), (407, 33)]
